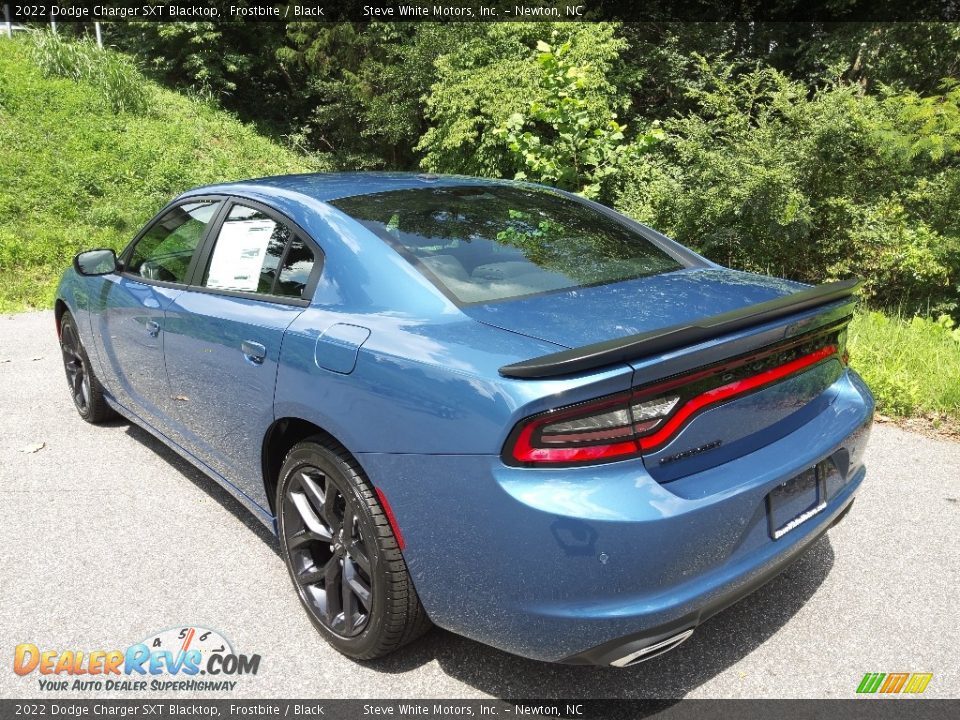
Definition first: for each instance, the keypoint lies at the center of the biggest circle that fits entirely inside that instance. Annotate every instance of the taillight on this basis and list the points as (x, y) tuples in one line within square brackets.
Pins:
[(628, 424), (591, 432)]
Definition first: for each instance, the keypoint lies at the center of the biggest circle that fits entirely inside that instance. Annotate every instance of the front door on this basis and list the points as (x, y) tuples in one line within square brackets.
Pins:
[(133, 304), (223, 340)]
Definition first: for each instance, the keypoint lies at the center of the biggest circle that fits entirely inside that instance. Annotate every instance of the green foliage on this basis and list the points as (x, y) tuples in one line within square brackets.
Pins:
[(112, 74), (493, 75), (907, 56), (357, 88), (765, 176), (228, 60), (564, 139), (911, 365), (932, 124), (903, 262), (78, 174)]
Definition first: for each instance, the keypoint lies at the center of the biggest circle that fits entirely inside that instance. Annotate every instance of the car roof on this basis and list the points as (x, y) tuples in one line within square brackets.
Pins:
[(332, 186)]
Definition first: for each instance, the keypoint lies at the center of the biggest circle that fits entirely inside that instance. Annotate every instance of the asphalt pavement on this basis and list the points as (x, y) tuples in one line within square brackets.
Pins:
[(107, 537)]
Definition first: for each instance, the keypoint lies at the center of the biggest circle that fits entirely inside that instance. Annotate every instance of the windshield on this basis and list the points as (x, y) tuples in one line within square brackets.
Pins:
[(486, 243)]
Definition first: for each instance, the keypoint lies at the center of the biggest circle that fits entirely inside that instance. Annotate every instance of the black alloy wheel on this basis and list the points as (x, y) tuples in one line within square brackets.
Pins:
[(342, 555), (85, 389), (328, 553), (74, 363)]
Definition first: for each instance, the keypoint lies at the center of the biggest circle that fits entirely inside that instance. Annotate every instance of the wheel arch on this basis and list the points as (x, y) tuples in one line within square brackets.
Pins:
[(59, 308), (282, 435)]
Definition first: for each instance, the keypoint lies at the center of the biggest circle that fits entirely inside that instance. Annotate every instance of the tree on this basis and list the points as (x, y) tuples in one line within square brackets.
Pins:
[(564, 139)]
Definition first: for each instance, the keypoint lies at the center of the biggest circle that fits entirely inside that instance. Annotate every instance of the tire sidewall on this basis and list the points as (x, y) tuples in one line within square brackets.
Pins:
[(346, 480), (65, 322)]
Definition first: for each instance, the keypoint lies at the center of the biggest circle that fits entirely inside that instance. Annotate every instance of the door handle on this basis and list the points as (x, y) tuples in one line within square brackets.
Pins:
[(253, 351), (153, 328)]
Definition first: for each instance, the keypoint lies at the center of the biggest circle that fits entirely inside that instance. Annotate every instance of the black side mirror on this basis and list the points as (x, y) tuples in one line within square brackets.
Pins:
[(96, 262)]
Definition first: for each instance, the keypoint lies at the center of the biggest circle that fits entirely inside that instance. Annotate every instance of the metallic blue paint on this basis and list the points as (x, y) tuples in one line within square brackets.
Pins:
[(582, 316), (407, 382)]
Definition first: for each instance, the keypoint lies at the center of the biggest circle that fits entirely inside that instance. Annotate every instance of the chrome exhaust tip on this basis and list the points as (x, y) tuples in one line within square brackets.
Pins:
[(638, 656)]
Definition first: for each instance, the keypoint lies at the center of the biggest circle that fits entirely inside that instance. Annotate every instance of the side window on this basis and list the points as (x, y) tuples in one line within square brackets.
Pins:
[(247, 253), (297, 266), (248, 256), (165, 251)]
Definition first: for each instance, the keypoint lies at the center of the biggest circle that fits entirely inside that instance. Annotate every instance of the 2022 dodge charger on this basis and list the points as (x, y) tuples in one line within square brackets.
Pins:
[(492, 406)]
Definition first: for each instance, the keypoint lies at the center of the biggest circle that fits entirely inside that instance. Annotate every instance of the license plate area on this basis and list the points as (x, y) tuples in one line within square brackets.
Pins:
[(795, 501)]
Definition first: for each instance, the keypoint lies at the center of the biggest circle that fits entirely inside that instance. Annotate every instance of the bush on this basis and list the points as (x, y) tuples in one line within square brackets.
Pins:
[(494, 75), (111, 73), (565, 139), (904, 262), (767, 177)]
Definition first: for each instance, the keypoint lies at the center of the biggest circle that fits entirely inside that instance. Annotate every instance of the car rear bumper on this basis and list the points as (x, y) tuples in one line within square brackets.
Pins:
[(586, 565), (650, 642)]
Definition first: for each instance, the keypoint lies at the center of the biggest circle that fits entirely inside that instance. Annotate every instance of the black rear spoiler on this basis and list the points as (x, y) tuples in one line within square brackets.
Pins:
[(645, 344)]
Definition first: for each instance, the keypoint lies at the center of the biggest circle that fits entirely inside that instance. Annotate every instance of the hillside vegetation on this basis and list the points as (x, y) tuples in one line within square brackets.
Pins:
[(753, 170), (90, 150)]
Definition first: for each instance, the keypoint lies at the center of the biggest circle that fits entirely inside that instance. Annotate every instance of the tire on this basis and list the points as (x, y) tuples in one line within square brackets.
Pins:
[(85, 389), (342, 555)]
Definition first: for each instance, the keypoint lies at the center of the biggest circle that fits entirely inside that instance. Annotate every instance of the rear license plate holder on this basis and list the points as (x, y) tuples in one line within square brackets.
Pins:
[(795, 501)]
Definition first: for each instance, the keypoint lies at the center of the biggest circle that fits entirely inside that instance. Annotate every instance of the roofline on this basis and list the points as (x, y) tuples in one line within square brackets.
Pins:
[(273, 183)]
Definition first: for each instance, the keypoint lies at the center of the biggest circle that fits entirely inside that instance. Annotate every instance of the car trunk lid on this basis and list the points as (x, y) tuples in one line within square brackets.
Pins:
[(582, 316), (721, 376)]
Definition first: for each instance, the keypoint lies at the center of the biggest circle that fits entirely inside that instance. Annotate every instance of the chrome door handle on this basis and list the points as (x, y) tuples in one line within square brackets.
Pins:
[(253, 351), (153, 328)]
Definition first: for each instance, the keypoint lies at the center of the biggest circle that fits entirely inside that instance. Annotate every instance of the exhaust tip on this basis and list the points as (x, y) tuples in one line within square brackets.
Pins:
[(651, 651)]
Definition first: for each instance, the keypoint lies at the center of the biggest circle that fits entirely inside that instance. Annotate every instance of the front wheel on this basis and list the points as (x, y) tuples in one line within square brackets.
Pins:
[(342, 555), (85, 389)]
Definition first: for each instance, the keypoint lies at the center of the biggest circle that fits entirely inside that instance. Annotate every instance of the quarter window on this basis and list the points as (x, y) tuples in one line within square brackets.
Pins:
[(165, 250), (296, 270)]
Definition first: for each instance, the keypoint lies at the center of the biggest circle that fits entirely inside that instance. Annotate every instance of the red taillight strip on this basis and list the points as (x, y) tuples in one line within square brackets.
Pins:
[(524, 451), (725, 392)]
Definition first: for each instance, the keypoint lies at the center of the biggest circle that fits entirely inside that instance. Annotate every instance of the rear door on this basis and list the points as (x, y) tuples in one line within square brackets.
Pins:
[(224, 335), (131, 305)]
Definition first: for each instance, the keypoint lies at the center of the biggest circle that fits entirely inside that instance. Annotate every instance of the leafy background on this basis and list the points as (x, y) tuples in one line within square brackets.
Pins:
[(804, 150)]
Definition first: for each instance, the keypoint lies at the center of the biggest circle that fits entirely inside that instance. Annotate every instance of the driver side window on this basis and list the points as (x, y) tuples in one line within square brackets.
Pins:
[(165, 251)]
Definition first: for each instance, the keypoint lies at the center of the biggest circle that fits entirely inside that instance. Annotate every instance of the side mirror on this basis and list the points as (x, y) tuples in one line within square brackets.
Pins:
[(96, 262)]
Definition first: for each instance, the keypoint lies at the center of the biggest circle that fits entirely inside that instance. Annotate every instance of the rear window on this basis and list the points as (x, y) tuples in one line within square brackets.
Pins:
[(482, 244)]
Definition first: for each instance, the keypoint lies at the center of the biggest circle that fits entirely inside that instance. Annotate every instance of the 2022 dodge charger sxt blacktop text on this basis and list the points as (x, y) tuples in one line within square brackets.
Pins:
[(493, 406)]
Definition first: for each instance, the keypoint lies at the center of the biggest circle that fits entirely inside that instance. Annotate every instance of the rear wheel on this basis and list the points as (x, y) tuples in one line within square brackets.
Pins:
[(85, 389), (342, 555)]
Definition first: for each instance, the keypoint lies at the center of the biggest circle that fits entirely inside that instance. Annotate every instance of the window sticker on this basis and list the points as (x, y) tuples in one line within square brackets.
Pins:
[(239, 253)]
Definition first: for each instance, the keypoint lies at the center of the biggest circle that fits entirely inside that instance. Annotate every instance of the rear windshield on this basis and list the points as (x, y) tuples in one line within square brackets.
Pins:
[(481, 244)]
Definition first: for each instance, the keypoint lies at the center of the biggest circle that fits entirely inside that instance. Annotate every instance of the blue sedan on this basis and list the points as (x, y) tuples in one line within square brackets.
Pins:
[(491, 406)]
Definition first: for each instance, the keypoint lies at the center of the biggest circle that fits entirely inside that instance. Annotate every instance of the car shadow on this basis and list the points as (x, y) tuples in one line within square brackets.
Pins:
[(205, 483), (719, 643)]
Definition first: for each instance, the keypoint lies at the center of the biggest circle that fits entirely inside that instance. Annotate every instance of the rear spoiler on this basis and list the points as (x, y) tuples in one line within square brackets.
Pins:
[(654, 342)]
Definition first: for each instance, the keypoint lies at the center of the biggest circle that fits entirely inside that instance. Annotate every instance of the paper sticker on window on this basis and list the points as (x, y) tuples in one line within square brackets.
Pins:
[(239, 253)]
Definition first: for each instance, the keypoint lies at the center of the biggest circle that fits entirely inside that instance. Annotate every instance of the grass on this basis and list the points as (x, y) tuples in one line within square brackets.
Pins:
[(911, 365), (90, 150)]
